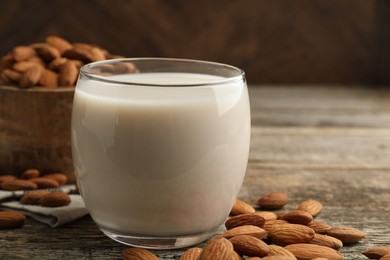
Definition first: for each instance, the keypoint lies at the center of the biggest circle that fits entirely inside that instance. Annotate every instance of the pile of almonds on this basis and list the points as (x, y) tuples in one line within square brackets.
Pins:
[(53, 63), (281, 235), (38, 190)]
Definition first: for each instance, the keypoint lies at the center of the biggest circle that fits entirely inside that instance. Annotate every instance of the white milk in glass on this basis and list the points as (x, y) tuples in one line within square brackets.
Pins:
[(163, 160)]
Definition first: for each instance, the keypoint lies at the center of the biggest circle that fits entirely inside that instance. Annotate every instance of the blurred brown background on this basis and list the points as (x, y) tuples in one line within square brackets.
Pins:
[(275, 41)]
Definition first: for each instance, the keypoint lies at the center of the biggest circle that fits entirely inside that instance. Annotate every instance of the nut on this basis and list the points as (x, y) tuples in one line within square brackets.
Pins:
[(298, 217), (290, 234), (10, 219), (55, 199), (245, 219), (191, 254), (58, 177), (18, 185), (33, 197), (246, 230), (249, 246), (267, 215), (310, 251), (20, 53), (6, 178), (324, 240), (348, 235), (377, 252), (319, 226), (59, 43), (311, 206), (135, 253), (218, 248), (30, 76), (68, 74), (45, 183), (241, 207), (274, 200), (30, 174), (270, 223), (280, 251)]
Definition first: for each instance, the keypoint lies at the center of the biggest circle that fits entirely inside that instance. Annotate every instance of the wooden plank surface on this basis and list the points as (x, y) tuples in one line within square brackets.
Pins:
[(344, 165)]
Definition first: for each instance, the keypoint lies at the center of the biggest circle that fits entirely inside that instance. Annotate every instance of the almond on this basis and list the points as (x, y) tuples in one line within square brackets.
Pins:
[(276, 257), (218, 248), (36, 60), (18, 185), (311, 206), (135, 253), (298, 217), (59, 43), (58, 177), (55, 199), (235, 256), (385, 257), (245, 219), (310, 251), (274, 200), (246, 230), (30, 76), (280, 251), (290, 234), (48, 78), (319, 226), (270, 223), (324, 240), (68, 74), (45, 183), (22, 66), (267, 215), (84, 54), (33, 197), (10, 219), (48, 52), (30, 174), (377, 252), (348, 235), (11, 75), (249, 246), (241, 207), (56, 64), (6, 178), (20, 53), (191, 254)]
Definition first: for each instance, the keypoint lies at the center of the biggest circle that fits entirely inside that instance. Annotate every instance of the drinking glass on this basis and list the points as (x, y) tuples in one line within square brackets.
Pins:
[(160, 147)]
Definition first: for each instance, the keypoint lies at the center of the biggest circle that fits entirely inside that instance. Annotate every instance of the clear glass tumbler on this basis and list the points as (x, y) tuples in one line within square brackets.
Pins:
[(160, 147)]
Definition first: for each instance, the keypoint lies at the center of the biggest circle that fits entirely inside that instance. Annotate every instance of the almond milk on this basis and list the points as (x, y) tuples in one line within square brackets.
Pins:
[(160, 160)]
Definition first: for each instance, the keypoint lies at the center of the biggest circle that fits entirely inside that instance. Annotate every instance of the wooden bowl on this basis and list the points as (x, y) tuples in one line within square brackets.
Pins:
[(35, 130)]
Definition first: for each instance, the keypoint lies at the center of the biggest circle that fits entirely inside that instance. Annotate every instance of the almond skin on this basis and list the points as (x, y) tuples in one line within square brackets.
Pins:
[(135, 253), (55, 199), (311, 206), (249, 246), (20, 53), (385, 257), (18, 185), (59, 43), (246, 230), (48, 78), (218, 248), (319, 226), (30, 174), (10, 219), (48, 52), (267, 215), (274, 200), (33, 197), (244, 219), (11, 75), (45, 183), (309, 251), (377, 252), (6, 178), (348, 235), (22, 66), (68, 74), (298, 217), (191, 254), (30, 76), (270, 223), (241, 207), (324, 240), (290, 234), (275, 257), (280, 251), (58, 177)]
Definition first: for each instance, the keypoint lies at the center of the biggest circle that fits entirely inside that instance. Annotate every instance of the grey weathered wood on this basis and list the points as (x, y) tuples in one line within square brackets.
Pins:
[(345, 164)]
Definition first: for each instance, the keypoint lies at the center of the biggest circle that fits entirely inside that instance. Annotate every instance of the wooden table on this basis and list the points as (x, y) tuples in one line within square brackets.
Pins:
[(328, 143)]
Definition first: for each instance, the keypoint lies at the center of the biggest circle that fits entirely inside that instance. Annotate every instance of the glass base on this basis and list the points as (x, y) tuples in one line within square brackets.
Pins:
[(150, 242)]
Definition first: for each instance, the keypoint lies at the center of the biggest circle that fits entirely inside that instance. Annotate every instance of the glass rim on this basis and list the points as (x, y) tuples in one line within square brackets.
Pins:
[(85, 70)]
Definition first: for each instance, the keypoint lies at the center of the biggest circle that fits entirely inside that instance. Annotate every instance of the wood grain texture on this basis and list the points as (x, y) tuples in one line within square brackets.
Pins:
[(343, 165), (317, 41)]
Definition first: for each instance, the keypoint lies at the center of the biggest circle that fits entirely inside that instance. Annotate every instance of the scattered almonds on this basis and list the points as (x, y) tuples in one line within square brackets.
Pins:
[(311, 206), (10, 219), (274, 200)]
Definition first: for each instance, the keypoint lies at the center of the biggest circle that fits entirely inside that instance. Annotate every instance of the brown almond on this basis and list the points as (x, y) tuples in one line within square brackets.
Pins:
[(348, 235), (324, 240), (33, 197), (191, 254), (276, 257), (56, 64), (68, 74), (55, 199), (267, 215), (48, 52), (20, 53), (84, 54), (298, 217), (290, 234), (30, 76), (246, 230), (11, 75), (30, 174), (245, 219), (270, 223), (377, 252), (96, 54), (319, 226), (311, 206), (274, 200), (36, 60), (18, 185), (235, 256), (48, 78), (6, 178), (6, 62), (59, 43), (217, 248), (310, 251), (241, 207), (136, 253), (10, 219), (82, 46), (22, 66), (58, 177), (45, 183), (385, 257), (249, 246), (275, 250)]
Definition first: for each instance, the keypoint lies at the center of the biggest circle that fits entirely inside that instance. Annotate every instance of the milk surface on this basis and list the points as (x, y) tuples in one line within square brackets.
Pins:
[(160, 161)]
